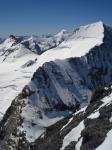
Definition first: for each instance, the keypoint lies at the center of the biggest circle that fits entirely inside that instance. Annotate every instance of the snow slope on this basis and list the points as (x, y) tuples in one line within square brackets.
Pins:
[(107, 144), (13, 78), (83, 39), (73, 135), (35, 121)]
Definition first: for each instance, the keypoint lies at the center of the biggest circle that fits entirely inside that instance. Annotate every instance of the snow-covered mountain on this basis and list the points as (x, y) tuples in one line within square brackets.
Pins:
[(59, 73), (11, 49), (14, 55), (42, 43), (18, 62), (37, 44), (70, 72)]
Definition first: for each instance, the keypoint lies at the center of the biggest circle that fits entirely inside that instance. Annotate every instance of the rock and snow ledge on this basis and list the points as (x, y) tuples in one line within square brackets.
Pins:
[(87, 129)]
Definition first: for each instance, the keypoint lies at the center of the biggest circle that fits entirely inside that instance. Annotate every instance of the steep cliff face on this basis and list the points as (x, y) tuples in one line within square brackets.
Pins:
[(65, 82)]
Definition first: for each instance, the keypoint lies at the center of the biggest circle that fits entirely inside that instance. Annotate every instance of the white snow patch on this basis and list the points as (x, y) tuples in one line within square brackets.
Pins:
[(94, 115), (81, 110), (107, 144), (78, 145), (35, 121), (106, 101), (110, 119), (73, 135), (106, 88), (67, 123)]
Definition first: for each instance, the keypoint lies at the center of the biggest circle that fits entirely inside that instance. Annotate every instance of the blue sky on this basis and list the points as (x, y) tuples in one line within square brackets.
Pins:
[(27, 17)]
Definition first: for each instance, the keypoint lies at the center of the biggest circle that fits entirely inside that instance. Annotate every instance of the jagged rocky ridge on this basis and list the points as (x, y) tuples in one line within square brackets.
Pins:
[(86, 129), (58, 86)]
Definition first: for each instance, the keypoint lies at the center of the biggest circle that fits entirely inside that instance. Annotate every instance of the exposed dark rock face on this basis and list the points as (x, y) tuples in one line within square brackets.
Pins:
[(93, 134), (95, 130), (8, 126), (35, 48), (10, 138)]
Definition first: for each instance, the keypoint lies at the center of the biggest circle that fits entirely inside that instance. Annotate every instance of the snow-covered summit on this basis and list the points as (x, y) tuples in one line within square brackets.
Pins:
[(61, 36), (77, 44), (88, 36), (62, 33), (11, 49), (8, 43), (94, 30)]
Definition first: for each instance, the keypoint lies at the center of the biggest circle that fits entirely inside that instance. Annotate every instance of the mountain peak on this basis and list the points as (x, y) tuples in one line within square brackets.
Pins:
[(62, 32), (98, 23), (94, 30), (12, 39), (12, 36)]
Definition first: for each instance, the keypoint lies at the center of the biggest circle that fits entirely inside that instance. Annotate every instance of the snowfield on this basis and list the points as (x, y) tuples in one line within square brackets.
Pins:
[(77, 45), (13, 78), (35, 122), (107, 144)]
